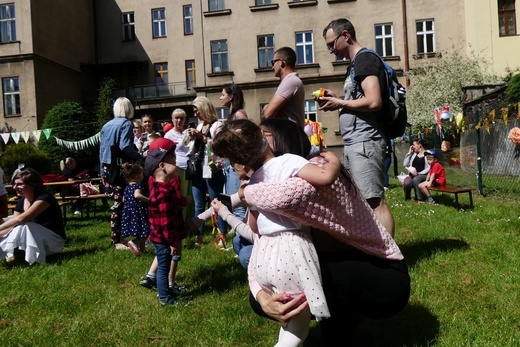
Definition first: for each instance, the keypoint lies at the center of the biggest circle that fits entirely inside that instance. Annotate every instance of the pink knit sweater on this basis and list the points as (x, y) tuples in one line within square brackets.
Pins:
[(338, 209)]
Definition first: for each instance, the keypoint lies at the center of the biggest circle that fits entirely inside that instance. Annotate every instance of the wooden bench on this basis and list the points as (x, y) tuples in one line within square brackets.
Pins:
[(454, 190), (88, 199), (12, 205)]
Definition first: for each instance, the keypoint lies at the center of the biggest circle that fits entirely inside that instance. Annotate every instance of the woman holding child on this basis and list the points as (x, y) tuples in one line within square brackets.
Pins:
[(417, 165), (364, 275)]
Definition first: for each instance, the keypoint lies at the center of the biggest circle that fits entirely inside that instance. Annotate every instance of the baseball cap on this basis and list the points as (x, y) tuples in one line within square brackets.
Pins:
[(161, 142), (433, 153), (157, 154)]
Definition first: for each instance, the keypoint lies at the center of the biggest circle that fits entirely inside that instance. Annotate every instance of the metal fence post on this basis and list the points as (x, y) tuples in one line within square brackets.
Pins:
[(479, 157)]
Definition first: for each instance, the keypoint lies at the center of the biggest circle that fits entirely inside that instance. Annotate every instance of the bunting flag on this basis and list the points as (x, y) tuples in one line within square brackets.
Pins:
[(36, 134), (81, 144), (25, 136), (47, 133), (492, 115), (505, 113), (16, 137), (5, 137)]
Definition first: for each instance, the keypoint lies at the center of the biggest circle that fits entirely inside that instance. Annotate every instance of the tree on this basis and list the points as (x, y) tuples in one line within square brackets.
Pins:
[(434, 85), (69, 121), (104, 102), (513, 90)]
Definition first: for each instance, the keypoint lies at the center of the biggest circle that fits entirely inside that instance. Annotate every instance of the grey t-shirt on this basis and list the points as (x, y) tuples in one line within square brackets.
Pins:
[(291, 89), (358, 126)]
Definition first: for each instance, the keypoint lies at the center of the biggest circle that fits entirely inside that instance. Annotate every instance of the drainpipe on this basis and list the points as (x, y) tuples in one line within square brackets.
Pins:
[(405, 42)]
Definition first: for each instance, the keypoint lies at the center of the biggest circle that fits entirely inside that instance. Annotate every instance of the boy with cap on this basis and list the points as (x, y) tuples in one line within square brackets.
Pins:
[(436, 176), (164, 213)]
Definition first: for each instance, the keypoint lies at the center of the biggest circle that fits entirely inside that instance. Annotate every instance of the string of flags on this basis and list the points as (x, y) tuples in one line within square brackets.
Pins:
[(36, 134)]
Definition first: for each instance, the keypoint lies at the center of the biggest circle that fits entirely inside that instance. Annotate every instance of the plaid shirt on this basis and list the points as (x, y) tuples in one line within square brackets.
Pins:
[(165, 214)]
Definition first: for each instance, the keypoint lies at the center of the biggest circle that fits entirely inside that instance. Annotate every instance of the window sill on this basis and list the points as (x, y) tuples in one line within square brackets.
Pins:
[(263, 7), (426, 55), (12, 115), (226, 12), (218, 74), (9, 42), (159, 37), (263, 69), (339, 1), (340, 62), (303, 3), (307, 66)]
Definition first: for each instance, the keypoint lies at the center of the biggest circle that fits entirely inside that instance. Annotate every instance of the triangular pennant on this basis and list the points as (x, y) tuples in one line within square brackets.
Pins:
[(25, 136), (47, 133), (5, 137), (36, 134), (16, 137)]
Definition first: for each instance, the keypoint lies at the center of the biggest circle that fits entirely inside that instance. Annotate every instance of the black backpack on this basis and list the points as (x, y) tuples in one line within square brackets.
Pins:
[(394, 117)]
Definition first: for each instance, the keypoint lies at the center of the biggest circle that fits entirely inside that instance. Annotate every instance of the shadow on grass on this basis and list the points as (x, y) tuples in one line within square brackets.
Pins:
[(218, 278), (414, 326), (449, 200), (414, 252)]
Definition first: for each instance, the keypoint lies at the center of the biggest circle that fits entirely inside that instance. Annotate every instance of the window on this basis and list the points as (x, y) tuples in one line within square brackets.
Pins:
[(262, 2), (11, 92), (222, 112), (425, 36), (265, 44), (216, 5), (128, 26), (161, 73), (311, 112), (506, 17), (384, 40), (159, 22), (7, 23), (188, 19), (219, 56), (304, 48), (190, 73)]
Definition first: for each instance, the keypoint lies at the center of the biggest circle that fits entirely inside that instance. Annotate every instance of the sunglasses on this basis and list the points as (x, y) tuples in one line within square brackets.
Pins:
[(274, 61), (332, 45)]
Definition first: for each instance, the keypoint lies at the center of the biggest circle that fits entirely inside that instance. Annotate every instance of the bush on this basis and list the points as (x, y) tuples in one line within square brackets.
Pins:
[(69, 121), (25, 153), (513, 90)]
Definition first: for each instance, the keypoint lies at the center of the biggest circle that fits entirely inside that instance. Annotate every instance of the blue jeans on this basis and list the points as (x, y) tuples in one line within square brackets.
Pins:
[(232, 185), (164, 261), (213, 186), (242, 248), (388, 162)]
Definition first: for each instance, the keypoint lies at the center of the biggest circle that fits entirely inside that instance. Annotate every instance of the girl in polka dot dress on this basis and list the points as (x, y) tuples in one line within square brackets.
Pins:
[(283, 259), (134, 221)]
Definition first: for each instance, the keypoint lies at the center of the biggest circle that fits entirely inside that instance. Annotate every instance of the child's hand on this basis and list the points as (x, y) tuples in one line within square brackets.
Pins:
[(216, 204), (173, 250), (189, 199)]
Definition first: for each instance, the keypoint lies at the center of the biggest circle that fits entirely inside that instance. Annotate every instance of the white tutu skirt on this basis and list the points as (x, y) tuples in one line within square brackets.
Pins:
[(287, 262), (35, 240)]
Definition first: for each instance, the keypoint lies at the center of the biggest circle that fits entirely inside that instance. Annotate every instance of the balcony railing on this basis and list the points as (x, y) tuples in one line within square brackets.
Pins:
[(155, 91)]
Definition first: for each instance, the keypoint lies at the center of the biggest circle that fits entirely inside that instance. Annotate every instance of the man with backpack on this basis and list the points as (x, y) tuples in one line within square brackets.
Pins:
[(360, 115)]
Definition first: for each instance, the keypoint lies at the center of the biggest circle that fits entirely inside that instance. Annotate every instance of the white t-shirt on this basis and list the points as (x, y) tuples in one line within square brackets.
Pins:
[(277, 169), (181, 151)]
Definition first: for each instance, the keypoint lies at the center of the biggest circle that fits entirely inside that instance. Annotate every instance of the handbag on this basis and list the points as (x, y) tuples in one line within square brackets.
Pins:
[(191, 167), (87, 188)]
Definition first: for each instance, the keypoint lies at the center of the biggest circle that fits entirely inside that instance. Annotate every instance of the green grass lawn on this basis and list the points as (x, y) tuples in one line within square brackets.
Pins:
[(463, 264)]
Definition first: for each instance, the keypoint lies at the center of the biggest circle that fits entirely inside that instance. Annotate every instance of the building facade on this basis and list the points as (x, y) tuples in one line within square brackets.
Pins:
[(165, 53)]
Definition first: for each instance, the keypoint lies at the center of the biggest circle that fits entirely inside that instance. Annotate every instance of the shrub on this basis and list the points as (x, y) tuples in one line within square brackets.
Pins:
[(513, 90), (25, 153), (69, 121)]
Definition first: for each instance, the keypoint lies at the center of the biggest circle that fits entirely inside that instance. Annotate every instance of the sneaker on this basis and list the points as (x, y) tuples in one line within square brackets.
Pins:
[(121, 247), (148, 282), (133, 248), (177, 290), (77, 213), (172, 301)]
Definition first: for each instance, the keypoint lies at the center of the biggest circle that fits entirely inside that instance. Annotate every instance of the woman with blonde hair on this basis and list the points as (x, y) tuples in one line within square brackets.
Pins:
[(117, 136), (208, 127)]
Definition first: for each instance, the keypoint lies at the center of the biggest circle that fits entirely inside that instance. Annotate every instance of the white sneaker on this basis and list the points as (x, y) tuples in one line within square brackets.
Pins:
[(220, 244), (77, 213)]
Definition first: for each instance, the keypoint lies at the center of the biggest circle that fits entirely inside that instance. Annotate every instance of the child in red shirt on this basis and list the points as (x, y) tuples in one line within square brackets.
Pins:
[(436, 176)]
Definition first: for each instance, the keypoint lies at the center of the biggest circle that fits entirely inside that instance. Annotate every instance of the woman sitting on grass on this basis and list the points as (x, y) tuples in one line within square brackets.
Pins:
[(36, 226)]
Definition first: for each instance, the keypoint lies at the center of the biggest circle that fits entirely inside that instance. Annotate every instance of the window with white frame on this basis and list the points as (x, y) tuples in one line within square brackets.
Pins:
[(262, 2), (7, 23), (128, 23), (304, 47), (265, 46), (11, 93), (506, 17), (187, 12), (425, 36), (222, 112), (219, 56), (384, 39), (159, 22), (311, 110), (216, 5)]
